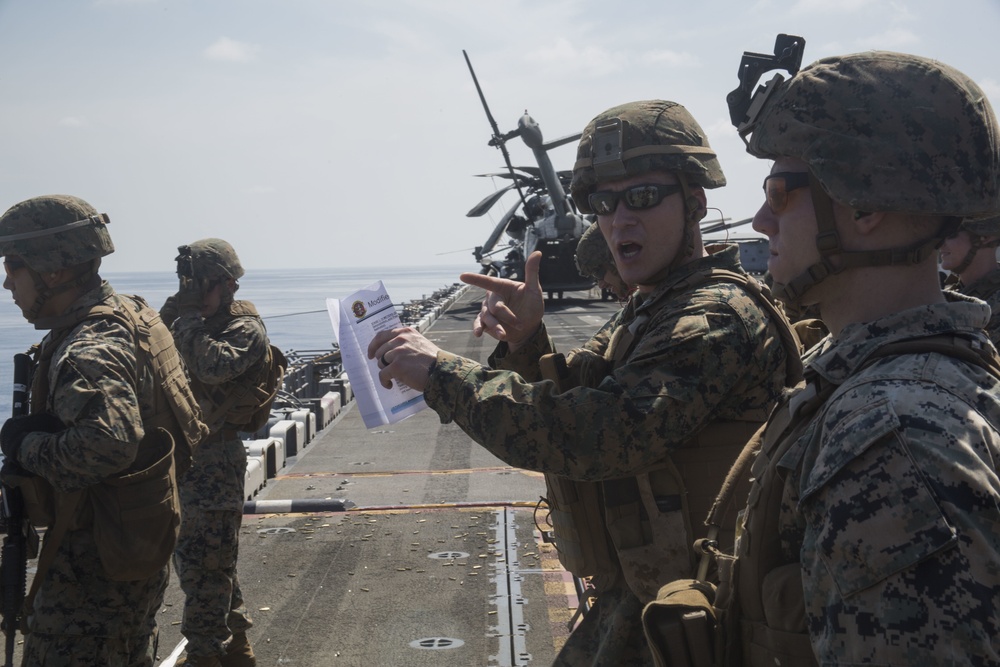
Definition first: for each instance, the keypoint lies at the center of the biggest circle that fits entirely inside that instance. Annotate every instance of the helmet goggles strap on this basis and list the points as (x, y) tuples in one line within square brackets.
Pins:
[(96, 220)]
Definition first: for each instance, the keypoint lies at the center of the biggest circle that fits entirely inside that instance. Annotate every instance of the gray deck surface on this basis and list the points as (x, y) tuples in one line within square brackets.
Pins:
[(439, 563)]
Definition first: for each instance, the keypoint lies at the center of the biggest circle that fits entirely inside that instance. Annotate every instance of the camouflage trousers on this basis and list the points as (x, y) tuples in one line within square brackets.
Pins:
[(610, 634), (206, 567), (81, 617), (76, 651), (208, 547)]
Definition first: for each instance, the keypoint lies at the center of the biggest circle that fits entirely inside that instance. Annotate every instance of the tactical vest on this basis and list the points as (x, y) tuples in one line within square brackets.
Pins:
[(134, 514), (243, 403), (647, 524), (759, 631)]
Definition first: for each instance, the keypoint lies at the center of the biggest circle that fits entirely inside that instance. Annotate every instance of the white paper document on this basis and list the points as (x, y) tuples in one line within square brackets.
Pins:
[(356, 319)]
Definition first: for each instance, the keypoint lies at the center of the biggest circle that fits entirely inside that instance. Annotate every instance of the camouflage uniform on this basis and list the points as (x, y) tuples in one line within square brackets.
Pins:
[(871, 530), (81, 617), (706, 354), (106, 401), (221, 352), (883, 501), (987, 289), (984, 233)]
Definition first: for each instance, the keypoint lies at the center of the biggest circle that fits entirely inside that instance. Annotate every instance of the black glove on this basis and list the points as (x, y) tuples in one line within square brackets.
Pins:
[(16, 428)]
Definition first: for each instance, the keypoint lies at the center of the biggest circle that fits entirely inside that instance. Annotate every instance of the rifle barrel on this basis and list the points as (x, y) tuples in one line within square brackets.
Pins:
[(14, 553)]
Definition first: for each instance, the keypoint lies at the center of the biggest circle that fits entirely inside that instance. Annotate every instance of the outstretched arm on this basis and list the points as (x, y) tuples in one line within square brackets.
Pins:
[(512, 310)]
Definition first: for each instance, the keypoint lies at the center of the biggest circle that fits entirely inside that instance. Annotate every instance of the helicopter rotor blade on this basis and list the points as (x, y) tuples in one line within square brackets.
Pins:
[(498, 230), (527, 172), (722, 225), (498, 139), (487, 203), (556, 143)]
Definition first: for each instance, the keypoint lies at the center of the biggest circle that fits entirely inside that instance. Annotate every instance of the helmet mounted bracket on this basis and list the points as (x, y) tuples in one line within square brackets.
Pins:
[(745, 104), (607, 150)]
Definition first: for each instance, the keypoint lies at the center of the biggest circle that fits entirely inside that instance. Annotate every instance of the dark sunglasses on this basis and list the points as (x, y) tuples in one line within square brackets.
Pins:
[(778, 185), (636, 197)]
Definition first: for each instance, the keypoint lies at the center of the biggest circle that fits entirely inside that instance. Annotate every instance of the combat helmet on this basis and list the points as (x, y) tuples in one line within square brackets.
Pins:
[(639, 137), (983, 233), (593, 257), (209, 258), (51, 233), (986, 226), (885, 131), (879, 131), (55, 232)]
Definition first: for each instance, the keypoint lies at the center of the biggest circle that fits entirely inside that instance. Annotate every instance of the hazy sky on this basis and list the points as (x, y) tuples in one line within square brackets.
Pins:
[(322, 133)]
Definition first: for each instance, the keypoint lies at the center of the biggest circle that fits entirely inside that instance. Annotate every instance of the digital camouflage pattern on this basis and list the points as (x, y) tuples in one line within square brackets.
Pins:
[(891, 502), (220, 352), (90, 389), (86, 651), (707, 353), (986, 289), (50, 245), (989, 226), (887, 131), (593, 256), (651, 135), (214, 258)]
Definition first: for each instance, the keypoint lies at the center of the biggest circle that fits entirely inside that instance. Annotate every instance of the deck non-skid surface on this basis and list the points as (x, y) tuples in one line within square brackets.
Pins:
[(440, 563)]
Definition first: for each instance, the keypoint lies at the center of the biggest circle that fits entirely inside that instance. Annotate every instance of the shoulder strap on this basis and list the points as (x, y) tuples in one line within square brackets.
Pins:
[(817, 391), (760, 293), (964, 348), (155, 346), (269, 372)]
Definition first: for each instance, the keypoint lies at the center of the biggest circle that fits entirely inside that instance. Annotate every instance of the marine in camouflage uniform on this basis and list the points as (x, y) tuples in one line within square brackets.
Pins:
[(872, 532), (594, 260), (685, 355), (224, 344), (970, 255), (86, 424)]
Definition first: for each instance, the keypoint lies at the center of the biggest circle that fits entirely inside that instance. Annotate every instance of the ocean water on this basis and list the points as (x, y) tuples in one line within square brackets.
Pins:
[(292, 303)]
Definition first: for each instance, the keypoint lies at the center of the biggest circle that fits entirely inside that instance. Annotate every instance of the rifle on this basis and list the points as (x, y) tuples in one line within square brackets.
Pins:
[(14, 553)]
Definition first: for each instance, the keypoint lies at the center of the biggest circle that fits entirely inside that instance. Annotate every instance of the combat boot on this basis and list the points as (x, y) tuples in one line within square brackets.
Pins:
[(199, 661), (239, 653)]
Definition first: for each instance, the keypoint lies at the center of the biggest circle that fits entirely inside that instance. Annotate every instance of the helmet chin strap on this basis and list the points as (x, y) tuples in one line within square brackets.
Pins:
[(43, 292), (828, 244), (693, 213)]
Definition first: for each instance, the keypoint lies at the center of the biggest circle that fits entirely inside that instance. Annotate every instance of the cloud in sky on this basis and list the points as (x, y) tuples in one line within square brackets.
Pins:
[(229, 50), (351, 124)]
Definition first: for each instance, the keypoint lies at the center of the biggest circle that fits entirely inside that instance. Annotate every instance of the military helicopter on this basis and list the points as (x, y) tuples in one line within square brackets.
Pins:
[(544, 217)]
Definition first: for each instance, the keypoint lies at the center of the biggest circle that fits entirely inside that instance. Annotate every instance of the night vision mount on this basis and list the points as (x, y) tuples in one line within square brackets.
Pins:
[(745, 104)]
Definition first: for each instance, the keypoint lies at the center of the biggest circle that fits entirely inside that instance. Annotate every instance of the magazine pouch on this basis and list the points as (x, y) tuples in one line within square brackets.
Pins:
[(137, 513), (680, 625)]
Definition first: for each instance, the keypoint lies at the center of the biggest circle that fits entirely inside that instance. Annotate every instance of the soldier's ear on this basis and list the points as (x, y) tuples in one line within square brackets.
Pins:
[(57, 277), (696, 204), (865, 223)]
